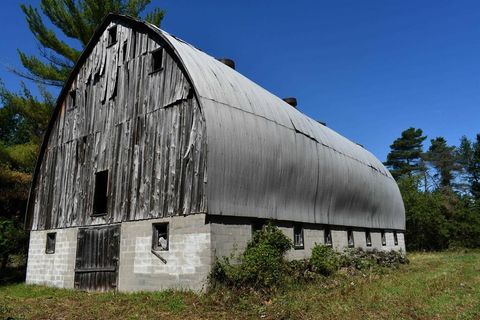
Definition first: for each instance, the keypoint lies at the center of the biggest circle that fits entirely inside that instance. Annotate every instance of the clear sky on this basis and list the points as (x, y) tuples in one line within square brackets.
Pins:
[(370, 69)]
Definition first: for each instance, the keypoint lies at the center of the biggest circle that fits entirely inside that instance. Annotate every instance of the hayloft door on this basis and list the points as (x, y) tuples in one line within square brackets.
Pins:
[(96, 265)]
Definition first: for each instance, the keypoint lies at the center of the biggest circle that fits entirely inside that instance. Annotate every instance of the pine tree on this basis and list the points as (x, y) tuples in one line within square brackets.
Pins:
[(442, 158), (469, 153), (405, 157), (77, 20)]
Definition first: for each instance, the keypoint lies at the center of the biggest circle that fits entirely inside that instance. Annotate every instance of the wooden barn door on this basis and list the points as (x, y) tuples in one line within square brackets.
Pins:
[(96, 266)]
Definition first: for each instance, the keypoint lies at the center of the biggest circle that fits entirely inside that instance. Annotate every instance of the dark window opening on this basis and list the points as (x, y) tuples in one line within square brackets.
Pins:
[(384, 239), (73, 99), (257, 226), (160, 237), (395, 238), (368, 238), (298, 237), (101, 193), (50, 247), (327, 237), (112, 35), (157, 57), (351, 242)]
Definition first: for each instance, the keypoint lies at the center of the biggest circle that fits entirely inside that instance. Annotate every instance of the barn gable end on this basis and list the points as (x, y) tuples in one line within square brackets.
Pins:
[(142, 125)]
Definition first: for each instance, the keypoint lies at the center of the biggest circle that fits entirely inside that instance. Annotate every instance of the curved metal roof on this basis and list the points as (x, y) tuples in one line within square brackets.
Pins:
[(266, 159)]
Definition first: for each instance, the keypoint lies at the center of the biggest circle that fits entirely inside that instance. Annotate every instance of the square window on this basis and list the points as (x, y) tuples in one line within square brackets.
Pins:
[(160, 237), (100, 197), (50, 246), (298, 237), (157, 57), (327, 237), (368, 238), (112, 35), (384, 239), (395, 238), (351, 242)]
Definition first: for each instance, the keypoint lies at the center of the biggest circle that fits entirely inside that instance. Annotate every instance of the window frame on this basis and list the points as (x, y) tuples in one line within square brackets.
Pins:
[(154, 53), (351, 244), (50, 243), (327, 237), (100, 210), (384, 238), (155, 234), (298, 234), (368, 238), (395, 238)]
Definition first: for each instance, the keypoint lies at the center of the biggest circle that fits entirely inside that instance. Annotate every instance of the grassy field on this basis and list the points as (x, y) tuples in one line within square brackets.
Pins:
[(433, 286)]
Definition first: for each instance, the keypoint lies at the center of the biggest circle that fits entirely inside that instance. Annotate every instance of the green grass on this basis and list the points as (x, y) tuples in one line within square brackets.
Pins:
[(433, 286)]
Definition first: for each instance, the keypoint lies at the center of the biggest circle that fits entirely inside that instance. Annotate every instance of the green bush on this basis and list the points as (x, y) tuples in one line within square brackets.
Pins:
[(324, 260), (262, 264)]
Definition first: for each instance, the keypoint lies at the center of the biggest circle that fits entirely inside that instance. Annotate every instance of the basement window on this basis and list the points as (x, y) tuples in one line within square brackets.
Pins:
[(257, 226), (368, 238), (327, 237), (160, 237), (298, 237), (351, 242), (395, 238), (101, 196), (157, 57), (112, 36), (50, 246), (384, 239)]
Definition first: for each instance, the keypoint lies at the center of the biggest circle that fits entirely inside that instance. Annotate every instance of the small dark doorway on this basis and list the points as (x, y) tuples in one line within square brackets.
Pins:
[(96, 265)]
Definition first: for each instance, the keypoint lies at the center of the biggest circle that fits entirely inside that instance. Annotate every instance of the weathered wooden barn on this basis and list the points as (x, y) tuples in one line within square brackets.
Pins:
[(159, 158)]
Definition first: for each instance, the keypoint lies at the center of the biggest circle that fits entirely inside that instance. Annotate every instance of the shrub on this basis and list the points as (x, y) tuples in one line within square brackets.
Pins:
[(262, 264), (324, 260)]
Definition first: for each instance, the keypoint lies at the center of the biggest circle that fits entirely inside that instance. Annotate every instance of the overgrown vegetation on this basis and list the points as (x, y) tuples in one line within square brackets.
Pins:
[(263, 267), (442, 285)]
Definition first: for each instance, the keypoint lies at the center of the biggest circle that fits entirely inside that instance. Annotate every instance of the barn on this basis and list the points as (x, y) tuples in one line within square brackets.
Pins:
[(160, 158)]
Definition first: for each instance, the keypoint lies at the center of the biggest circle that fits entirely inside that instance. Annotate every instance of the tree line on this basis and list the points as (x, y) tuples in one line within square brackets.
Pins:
[(440, 187)]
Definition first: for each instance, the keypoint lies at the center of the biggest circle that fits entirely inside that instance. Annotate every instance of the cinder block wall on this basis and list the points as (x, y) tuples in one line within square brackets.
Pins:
[(55, 269), (188, 258)]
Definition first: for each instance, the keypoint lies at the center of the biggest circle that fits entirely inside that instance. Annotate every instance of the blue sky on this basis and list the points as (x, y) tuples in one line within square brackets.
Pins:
[(370, 69)]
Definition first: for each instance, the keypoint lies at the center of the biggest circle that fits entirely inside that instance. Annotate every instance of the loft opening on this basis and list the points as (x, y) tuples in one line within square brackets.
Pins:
[(298, 236), (112, 36), (160, 237), (100, 197), (157, 60), (73, 99)]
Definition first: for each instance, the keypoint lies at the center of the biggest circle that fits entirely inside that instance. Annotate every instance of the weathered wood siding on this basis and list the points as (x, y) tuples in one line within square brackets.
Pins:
[(145, 128)]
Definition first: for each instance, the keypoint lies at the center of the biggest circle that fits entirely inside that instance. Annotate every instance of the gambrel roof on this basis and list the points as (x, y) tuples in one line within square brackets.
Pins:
[(266, 159)]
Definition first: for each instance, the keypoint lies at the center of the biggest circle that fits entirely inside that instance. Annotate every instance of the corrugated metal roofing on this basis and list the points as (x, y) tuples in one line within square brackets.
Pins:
[(266, 159)]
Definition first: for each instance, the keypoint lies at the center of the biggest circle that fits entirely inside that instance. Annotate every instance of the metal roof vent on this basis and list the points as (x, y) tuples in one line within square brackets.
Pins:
[(291, 101), (228, 62)]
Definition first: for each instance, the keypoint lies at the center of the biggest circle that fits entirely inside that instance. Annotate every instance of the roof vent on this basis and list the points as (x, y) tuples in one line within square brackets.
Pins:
[(227, 62), (291, 101), (322, 123)]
